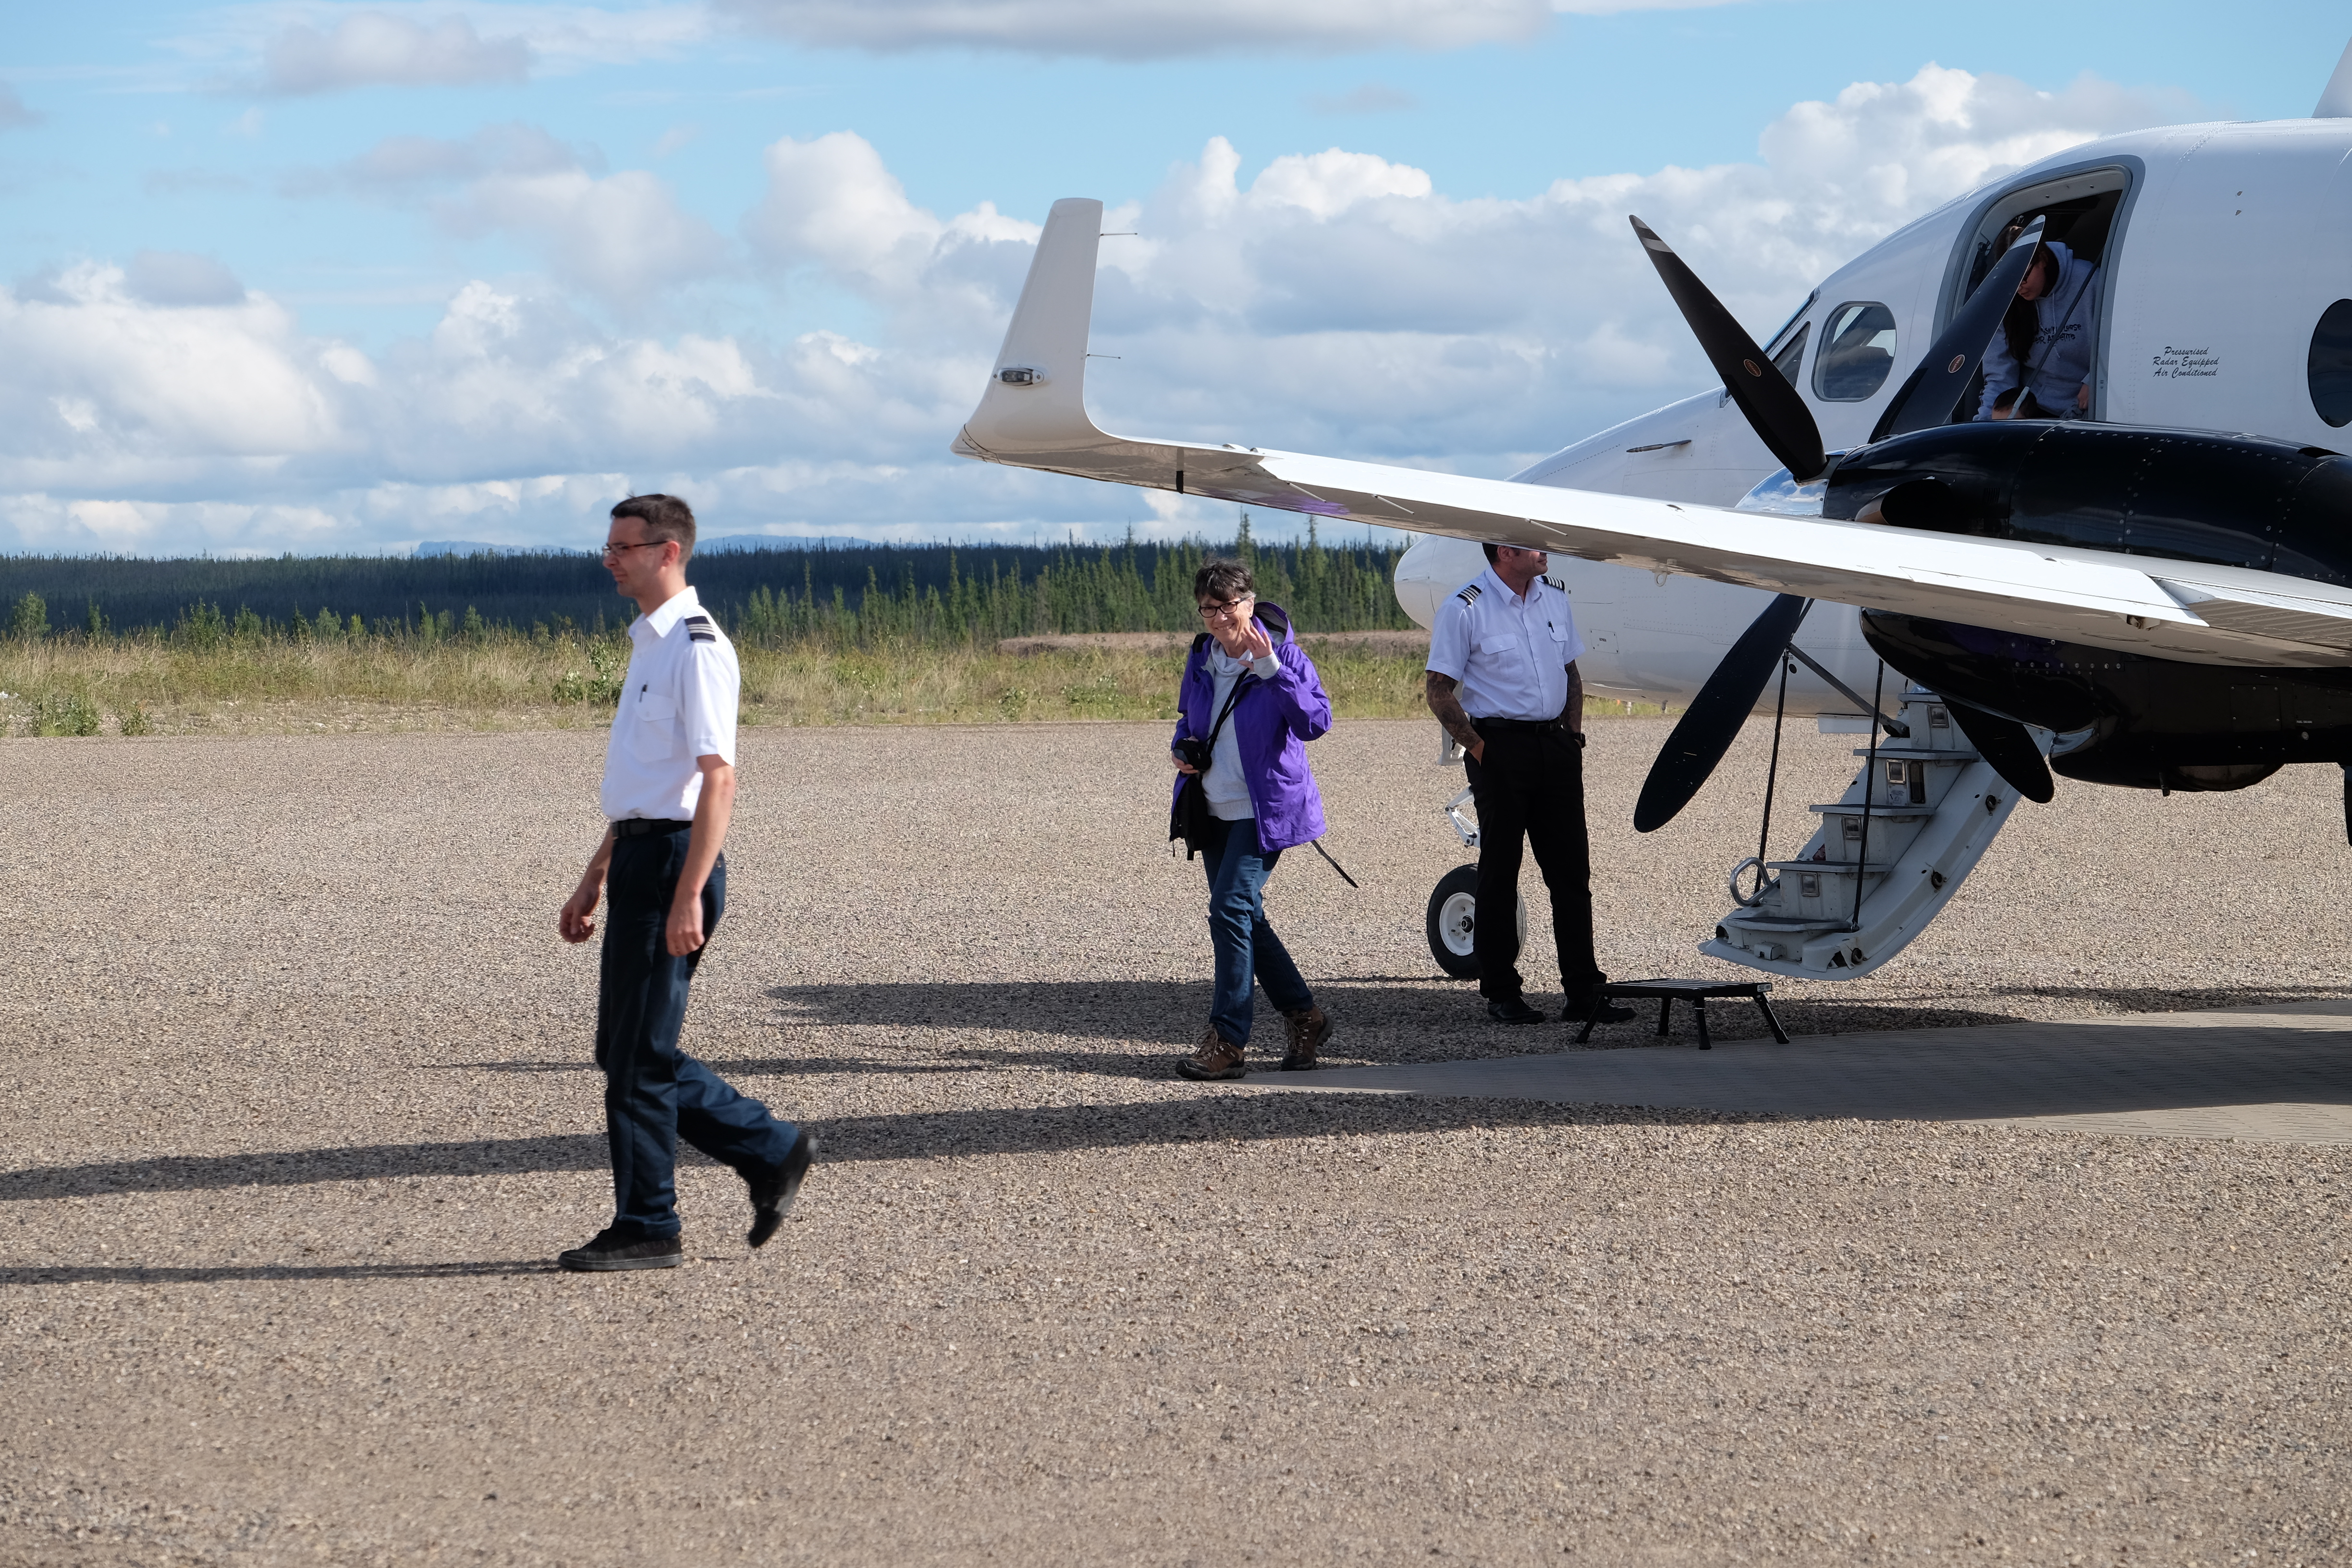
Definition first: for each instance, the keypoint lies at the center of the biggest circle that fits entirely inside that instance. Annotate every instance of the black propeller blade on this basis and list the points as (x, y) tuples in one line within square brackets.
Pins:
[(1712, 721), (2004, 743), (1786, 425), (1933, 389), (1763, 394)]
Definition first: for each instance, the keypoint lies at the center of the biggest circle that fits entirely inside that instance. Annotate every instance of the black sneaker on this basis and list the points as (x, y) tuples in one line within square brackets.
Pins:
[(1580, 1008), (607, 1253), (1513, 1010), (773, 1193)]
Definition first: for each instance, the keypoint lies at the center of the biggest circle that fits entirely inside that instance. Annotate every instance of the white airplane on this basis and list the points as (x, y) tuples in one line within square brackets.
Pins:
[(2157, 594)]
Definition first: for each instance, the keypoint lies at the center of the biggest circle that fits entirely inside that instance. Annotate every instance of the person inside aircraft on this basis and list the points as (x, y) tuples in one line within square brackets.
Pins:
[(2047, 340)]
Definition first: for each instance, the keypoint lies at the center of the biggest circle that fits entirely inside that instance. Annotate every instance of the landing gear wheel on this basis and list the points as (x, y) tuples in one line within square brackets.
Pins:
[(1454, 918)]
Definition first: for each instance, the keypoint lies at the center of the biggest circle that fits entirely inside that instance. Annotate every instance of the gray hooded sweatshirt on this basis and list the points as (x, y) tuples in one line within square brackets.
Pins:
[(2064, 343)]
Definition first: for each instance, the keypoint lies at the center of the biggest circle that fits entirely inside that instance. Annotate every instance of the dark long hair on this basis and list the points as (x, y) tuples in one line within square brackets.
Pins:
[(2021, 319)]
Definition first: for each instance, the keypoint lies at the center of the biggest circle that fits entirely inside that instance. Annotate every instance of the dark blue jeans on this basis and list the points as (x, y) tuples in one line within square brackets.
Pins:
[(1246, 946), (654, 1093)]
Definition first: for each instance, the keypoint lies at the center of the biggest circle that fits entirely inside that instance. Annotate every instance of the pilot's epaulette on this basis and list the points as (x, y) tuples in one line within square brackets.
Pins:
[(1557, 583), (699, 628), (1469, 596)]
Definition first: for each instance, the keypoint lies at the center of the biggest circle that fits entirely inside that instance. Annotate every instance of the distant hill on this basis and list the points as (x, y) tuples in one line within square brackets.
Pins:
[(729, 542)]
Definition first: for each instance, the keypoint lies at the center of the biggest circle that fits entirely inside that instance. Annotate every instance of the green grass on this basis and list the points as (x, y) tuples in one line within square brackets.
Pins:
[(60, 686)]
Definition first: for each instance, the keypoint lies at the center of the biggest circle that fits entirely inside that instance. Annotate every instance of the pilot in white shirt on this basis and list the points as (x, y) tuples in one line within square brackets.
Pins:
[(661, 873), (1503, 681), (679, 703)]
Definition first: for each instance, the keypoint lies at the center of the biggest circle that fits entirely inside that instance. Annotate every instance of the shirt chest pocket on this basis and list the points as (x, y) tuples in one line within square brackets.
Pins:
[(1498, 642), (1558, 630), (653, 733)]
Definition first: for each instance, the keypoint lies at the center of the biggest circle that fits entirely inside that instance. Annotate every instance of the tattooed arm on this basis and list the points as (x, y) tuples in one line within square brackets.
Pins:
[(1441, 694)]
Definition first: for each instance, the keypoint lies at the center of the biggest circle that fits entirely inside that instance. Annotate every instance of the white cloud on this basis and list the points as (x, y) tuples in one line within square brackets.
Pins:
[(299, 46), (1371, 98), (1146, 29), (104, 380), (832, 204), (14, 115), (177, 278), (373, 48), (1336, 303), (622, 237)]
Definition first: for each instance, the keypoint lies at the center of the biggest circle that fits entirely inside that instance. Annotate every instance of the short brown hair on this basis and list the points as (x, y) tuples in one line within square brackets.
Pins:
[(665, 517), (1221, 579)]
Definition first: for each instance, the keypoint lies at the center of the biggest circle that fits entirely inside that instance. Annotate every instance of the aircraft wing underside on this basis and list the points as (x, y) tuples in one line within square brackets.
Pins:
[(1032, 416)]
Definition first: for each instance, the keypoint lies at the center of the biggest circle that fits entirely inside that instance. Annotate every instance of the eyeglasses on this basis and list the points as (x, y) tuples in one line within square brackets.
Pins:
[(1231, 609), (613, 550)]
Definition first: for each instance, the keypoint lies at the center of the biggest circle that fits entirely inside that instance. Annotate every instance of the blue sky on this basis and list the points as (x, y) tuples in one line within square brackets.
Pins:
[(322, 277)]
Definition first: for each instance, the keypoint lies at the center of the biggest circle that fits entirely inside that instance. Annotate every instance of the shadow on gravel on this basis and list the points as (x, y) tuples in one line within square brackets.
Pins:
[(134, 1275), (2127, 999), (1382, 1021), (1233, 1116)]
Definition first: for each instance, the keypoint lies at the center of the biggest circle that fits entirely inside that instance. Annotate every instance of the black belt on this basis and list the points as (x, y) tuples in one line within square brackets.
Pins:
[(1532, 726), (646, 826)]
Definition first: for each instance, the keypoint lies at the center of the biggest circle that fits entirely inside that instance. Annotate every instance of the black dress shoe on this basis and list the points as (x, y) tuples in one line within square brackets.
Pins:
[(1513, 1010), (772, 1192), (1580, 1008), (607, 1253)]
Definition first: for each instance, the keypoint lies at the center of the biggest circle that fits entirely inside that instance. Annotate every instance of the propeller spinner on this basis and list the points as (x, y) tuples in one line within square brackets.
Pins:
[(1780, 419)]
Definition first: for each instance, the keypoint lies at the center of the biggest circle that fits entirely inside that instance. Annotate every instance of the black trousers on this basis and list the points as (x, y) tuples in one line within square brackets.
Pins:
[(656, 1094), (1531, 786)]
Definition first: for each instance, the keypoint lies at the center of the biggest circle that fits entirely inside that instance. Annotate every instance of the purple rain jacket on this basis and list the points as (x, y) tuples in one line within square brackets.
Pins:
[(1272, 722)]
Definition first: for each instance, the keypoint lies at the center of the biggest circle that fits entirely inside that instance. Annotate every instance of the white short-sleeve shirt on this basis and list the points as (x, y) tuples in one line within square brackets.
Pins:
[(680, 704), (1510, 654)]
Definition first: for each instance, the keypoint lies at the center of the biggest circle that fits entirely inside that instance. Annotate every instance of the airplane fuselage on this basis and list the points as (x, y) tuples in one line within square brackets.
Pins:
[(2222, 302)]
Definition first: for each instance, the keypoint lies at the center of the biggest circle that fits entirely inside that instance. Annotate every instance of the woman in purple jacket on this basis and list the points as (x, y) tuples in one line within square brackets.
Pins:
[(1262, 801)]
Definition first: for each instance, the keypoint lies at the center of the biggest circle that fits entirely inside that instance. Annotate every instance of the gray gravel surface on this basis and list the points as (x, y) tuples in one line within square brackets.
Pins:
[(299, 1109)]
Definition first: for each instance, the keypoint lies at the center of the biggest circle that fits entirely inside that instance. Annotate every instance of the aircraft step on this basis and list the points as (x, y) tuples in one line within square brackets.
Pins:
[(1807, 868), (1908, 830)]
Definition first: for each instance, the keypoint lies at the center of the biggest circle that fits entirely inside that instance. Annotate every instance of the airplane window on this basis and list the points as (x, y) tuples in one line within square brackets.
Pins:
[(1790, 360), (2330, 365), (1857, 351)]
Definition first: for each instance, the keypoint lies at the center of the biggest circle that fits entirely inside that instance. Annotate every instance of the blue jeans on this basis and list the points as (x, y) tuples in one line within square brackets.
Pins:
[(654, 1093), (1246, 946)]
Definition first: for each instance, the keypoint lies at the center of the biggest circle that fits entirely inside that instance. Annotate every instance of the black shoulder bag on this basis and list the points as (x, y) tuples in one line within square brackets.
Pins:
[(1189, 818)]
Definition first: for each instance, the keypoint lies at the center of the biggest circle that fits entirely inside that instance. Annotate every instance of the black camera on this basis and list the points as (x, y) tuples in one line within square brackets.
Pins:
[(1195, 752)]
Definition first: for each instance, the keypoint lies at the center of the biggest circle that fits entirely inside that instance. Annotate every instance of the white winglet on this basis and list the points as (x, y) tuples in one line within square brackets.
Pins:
[(1037, 393), (2335, 101)]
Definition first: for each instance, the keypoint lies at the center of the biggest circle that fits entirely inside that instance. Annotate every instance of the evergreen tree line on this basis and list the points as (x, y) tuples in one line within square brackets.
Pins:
[(856, 596)]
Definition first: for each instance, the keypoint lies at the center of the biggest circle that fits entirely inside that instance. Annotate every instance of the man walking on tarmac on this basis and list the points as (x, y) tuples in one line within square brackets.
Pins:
[(1503, 681), (669, 790)]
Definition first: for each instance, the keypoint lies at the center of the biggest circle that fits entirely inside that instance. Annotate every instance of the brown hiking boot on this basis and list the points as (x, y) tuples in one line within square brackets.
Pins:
[(1217, 1057), (1309, 1029)]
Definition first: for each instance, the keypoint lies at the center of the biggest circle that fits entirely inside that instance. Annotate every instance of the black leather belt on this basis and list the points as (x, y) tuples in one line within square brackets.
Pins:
[(1531, 726), (646, 826)]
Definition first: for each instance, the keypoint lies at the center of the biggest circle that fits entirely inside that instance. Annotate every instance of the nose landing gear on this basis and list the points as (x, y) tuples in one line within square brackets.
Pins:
[(1453, 915)]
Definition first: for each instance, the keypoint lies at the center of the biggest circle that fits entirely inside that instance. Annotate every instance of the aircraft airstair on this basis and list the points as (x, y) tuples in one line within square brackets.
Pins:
[(1885, 859)]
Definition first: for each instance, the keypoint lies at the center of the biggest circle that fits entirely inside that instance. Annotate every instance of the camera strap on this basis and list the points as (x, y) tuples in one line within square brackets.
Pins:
[(1227, 712), (1187, 818), (1316, 845)]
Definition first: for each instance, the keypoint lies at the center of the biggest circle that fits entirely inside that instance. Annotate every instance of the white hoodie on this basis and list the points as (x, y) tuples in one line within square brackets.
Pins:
[(2065, 342)]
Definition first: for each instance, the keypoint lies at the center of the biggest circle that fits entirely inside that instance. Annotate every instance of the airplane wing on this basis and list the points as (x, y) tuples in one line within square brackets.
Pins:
[(1033, 416)]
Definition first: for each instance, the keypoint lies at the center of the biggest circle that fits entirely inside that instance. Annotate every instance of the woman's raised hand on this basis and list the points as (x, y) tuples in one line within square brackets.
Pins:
[(1255, 643)]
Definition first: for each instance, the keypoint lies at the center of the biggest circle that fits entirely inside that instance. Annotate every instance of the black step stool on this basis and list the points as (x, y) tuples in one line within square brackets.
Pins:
[(1696, 992)]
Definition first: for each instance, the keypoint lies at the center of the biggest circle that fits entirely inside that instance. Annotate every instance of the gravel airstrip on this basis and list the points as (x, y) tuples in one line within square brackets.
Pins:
[(298, 1110)]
